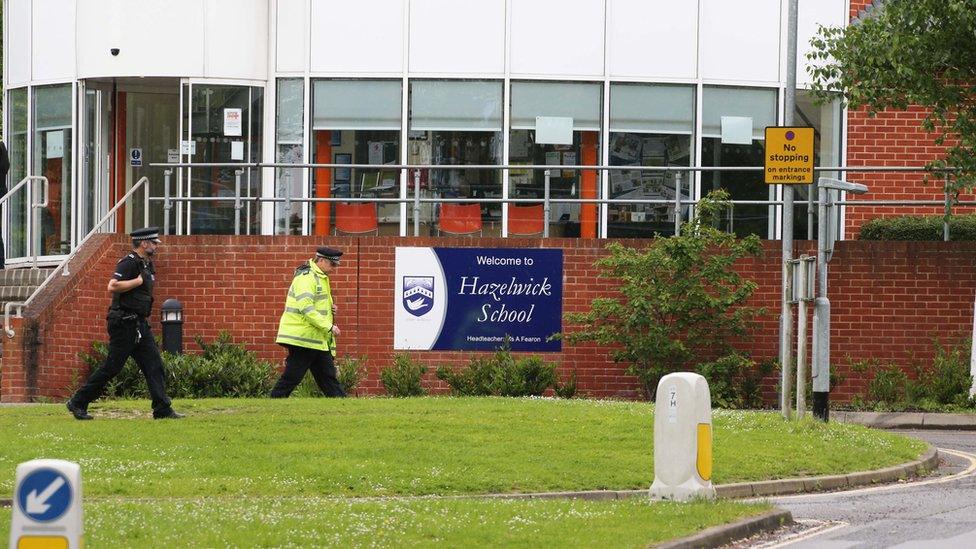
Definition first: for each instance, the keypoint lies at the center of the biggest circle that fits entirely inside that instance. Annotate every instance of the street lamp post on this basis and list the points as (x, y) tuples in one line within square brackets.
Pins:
[(826, 234)]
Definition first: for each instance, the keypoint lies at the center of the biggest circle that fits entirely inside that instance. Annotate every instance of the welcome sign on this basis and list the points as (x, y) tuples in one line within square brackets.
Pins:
[(473, 298)]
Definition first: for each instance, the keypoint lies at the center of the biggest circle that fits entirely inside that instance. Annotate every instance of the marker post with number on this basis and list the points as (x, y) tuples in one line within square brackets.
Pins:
[(47, 506)]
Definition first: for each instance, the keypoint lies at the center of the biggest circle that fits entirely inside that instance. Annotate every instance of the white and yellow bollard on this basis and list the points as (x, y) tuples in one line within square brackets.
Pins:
[(683, 438), (47, 506)]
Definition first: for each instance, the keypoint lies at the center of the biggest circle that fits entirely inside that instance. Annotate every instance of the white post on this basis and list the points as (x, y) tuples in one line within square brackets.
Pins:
[(682, 438), (47, 505)]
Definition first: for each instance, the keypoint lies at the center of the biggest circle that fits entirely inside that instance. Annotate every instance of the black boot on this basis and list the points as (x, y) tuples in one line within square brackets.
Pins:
[(80, 412)]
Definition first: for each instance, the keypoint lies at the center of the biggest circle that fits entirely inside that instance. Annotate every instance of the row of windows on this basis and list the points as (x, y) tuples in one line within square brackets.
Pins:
[(447, 122), (464, 122)]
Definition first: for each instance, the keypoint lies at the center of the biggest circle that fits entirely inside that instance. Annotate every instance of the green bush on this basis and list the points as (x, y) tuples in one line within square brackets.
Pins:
[(502, 374), (349, 371), (566, 389), (949, 379), (734, 380), (678, 302), (403, 378), (888, 385), (961, 228), (939, 385), (223, 369)]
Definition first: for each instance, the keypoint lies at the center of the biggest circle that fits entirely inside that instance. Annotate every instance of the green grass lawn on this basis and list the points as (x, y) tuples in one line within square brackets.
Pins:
[(316, 522), (387, 447)]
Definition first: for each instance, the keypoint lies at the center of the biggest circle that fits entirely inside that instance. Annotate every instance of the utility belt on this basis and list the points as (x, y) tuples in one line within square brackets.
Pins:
[(125, 315)]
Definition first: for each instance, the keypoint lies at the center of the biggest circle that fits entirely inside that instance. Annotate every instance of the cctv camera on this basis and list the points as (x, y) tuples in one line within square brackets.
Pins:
[(115, 51)]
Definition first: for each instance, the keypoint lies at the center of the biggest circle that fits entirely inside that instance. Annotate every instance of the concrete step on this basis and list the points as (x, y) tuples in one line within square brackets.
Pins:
[(23, 277), (18, 285)]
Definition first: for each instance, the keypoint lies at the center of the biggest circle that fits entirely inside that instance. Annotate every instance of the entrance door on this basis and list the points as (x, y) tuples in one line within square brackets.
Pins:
[(151, 136), (225, 126), (96, 157)]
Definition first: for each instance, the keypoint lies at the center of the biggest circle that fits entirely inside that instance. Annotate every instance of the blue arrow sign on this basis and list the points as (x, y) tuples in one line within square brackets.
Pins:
[(44, 495)]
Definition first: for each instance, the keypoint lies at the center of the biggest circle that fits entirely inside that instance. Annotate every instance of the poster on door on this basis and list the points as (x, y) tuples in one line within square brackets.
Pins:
[(232, 122), (477, 299)]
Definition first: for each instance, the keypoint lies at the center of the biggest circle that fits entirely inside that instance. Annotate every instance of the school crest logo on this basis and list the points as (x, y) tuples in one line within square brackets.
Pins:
[(418, 294)]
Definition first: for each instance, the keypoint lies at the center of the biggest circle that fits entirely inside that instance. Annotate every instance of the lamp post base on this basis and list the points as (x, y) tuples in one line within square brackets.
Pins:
[(821, 406)]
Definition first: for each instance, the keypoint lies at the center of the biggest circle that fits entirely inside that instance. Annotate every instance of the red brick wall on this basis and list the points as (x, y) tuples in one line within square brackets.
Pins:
[(889, 300)]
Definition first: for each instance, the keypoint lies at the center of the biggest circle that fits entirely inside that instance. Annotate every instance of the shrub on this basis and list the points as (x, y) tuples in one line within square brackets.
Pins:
[(349, 371), (734, 380), (403, 378), (942, 383), (502, 374), (926, 228), (680, 301), (888, 384), (223, 369), (566, 389), (948, 380)]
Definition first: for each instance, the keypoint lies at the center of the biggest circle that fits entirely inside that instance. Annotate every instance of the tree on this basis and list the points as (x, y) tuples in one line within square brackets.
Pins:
[(909, 52), (680, 303)]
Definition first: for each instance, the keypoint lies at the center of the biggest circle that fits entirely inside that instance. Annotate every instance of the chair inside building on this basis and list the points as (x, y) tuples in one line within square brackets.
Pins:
[(460, 219), (525, 220), (356, 218)]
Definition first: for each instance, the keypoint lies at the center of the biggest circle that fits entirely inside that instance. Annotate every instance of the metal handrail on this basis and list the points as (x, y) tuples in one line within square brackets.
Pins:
[(30, 200), (63, 265), (677, 202)]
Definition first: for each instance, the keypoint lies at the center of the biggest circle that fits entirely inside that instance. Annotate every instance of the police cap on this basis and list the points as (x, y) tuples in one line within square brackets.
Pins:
[(149, 233), (331, 254)]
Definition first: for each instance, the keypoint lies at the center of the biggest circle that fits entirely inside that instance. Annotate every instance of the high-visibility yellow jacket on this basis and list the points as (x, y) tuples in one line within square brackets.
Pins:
[(307, 320)]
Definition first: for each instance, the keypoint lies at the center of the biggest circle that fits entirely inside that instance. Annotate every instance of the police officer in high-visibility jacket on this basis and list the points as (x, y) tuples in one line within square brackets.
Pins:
[(307, 328)]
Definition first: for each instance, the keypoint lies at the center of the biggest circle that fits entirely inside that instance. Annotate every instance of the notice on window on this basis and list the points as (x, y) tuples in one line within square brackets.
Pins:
[(737, 130), (237, 150), (375, 152), (232, 122), (172, 156), (55, 144)]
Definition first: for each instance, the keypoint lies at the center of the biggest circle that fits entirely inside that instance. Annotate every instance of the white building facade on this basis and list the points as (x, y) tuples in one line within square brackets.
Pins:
[(97, 90)]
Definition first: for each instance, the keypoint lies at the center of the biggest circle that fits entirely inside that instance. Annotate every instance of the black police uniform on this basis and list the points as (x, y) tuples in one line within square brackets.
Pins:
[(130, 335)]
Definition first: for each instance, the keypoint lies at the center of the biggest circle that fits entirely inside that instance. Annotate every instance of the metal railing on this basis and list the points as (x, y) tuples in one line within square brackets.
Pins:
[(63, 265), (29, 222), (417, 198)]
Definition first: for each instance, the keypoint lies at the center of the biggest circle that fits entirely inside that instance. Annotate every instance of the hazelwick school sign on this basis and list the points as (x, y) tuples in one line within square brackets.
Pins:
[(474, 298)]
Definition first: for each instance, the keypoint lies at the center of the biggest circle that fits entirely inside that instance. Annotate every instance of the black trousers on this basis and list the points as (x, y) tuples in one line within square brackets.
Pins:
[(302, 359), (121, 345)]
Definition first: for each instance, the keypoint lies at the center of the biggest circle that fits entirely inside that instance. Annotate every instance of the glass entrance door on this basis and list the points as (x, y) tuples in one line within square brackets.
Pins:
[(151, 136), (222, 124), (95, 152)]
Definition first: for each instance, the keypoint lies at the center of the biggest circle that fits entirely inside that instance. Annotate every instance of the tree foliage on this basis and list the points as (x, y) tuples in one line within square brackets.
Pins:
[(680, 304), (909, 52)]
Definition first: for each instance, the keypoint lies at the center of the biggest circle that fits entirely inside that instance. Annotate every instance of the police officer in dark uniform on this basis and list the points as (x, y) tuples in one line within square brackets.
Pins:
[(128, 329)]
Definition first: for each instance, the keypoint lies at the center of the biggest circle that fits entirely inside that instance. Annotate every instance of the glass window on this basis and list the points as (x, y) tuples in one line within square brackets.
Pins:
[(226, 124), (650, 125), (356, 122), (17, 149), (458, 122), (759, 107), (52, 159), (289, 128), (826, 122), (581, 102)]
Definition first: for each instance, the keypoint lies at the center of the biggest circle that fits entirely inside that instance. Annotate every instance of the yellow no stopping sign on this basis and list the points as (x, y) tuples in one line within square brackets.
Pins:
[(789, 155)]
